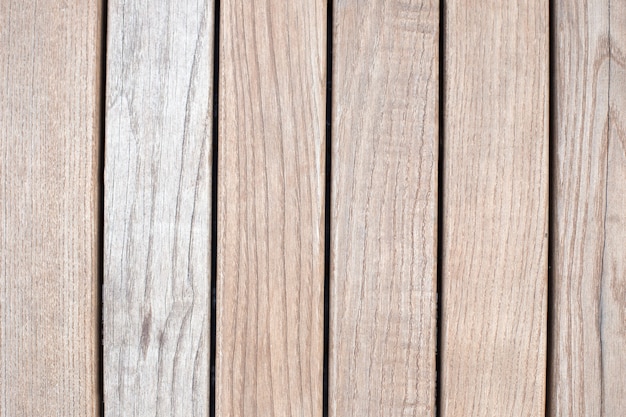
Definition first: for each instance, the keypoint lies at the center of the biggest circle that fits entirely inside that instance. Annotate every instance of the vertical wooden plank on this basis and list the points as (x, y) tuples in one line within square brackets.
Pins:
[(581, 123), (50, 61), (157, 208), (495, 208), (270, 208), (384, 208), (589, 332), (613, 295)]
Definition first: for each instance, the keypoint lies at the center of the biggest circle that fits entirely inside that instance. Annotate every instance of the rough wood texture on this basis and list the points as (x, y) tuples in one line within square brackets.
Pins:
[(384, 208), (495, 208), (271, 197), (49, 135), (589, 319), (157, 209)]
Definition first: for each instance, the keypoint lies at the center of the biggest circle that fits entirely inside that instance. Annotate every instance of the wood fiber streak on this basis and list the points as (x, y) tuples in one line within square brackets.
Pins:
[(50, 58), (384, 208), (589, 270), (157, 208), (270, 251), (495, 208)]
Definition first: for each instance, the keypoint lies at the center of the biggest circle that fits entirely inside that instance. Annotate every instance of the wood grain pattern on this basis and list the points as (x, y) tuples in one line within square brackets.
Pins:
[(613, 293), (384, 208), (589, 325), (495, 224), (270, 216), (157, 208), (49, 136)]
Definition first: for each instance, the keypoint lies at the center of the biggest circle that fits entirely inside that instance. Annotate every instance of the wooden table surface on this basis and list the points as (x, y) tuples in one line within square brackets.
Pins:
[(312, 208)]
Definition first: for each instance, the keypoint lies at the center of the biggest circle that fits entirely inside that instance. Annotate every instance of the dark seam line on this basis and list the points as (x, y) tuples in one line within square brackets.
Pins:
[(440, 191), (101, 191), (214, 186), (552, 134), (327, 202)]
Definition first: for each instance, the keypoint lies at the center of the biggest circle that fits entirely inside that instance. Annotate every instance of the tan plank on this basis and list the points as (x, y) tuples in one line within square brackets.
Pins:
[(270, 208), (613, 293), (50, 60), (581, 80), (384, 208), (157, 208), (589, 332), (495, 208)]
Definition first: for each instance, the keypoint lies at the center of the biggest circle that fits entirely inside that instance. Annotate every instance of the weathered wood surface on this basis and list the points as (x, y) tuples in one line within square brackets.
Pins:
[(157, 208), (50, 57), (270, 250), (589, 274), (495, 208), (384, 208)]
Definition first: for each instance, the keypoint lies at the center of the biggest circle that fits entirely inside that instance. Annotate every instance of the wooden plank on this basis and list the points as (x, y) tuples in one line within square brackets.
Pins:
[(384, 208), (589, 319), (157, 208), (613, 295), (50, 60), (270, 208), (495, 208)]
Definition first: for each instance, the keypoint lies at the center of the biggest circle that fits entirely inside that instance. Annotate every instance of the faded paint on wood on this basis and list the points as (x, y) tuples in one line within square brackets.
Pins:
[(270, 252), (50, 58), (495, 208), (157, 208), (589, 319), (384, 208)]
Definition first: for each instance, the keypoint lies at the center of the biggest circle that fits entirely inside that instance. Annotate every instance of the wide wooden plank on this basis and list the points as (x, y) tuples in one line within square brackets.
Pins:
[(384, 208), (270, 249), (495, 208), (157, 208), (589, 318), (50, 62)]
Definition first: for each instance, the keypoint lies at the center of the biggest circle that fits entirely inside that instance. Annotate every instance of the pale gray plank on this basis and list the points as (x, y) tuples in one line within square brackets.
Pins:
[(157, 208)]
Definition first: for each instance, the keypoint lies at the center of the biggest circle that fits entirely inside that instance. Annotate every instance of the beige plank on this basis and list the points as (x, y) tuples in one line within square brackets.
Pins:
[(157, 208), (270, 250), (589, 332), (50, 61), (495, 208), (581, 83), (613, 292), (614, 264), (384, 208)]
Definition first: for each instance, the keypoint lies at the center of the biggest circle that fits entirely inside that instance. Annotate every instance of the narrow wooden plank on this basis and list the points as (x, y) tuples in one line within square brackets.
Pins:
[(50, 60), (495, 208), (384, 208), (581, 119), (613, 295), (270, 208), (157, 208), (589, 332)]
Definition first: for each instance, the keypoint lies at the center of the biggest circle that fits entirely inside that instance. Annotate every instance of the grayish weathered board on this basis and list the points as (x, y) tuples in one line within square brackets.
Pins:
[(157, 208)]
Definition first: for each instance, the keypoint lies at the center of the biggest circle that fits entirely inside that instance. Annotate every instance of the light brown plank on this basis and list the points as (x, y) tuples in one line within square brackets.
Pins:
[(384, 208), (495, 208), (50, 60), (589, 319), (270, 208), (157, 208), (613, 293)]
